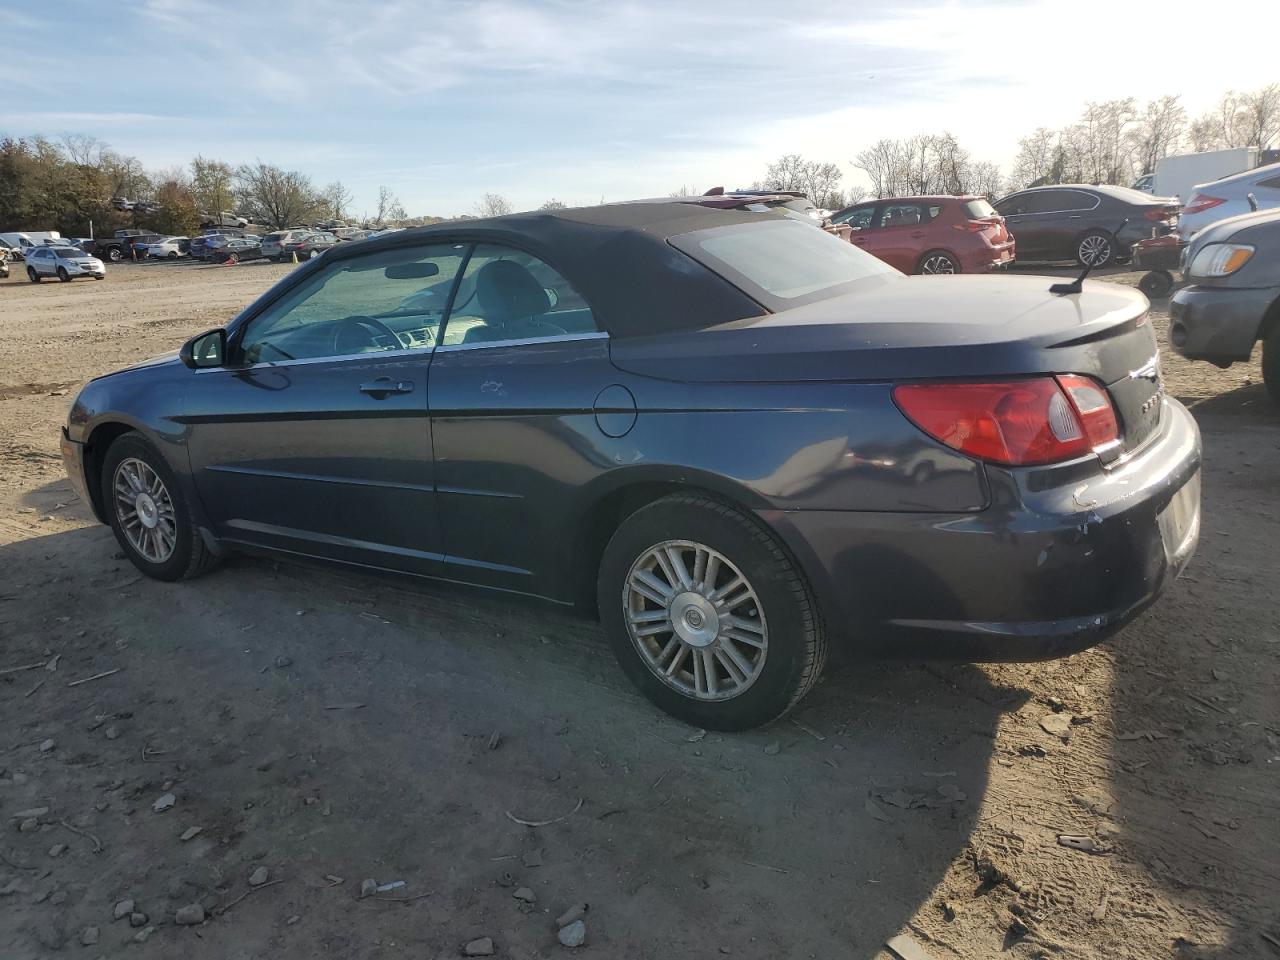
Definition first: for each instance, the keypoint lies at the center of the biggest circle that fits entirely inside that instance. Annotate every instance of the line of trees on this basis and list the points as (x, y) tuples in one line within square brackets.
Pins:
[(69, 183)]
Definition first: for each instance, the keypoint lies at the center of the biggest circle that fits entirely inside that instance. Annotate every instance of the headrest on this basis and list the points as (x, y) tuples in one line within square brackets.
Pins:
[(508, 291)]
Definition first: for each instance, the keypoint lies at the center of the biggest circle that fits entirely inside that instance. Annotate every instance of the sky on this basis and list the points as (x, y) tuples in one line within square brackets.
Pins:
[(583, 101)]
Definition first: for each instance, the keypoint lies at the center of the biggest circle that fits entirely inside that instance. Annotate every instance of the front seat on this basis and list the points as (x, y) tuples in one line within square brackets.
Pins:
[(512, 303)]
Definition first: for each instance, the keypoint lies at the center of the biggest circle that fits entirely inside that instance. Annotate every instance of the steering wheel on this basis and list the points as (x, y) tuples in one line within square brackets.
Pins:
[(372, 329)]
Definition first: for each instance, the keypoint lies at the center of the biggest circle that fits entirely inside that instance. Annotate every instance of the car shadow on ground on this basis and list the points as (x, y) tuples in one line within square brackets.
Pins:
[(329, 723), (1196, 723)]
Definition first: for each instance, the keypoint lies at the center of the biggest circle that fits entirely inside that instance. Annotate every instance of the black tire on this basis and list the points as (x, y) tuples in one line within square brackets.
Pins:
[(1156, 284), (938, 262), (1102, 242), (173, 255), (797, 644), (114, 254), (63, 275), (190, 556), (1271, 363), (32, 275)]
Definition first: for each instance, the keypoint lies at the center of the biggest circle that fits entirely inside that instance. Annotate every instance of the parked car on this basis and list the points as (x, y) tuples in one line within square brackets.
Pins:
[(21, 241), (169, 248), (140, 246), (1087, 224), (4, 263), (196, 248), (930, 235), (273, 243), (214, 245), (308, 245), (1232, 297), (120, 246), (65, 263), (237, 247), (734, 437), (1211, 202)]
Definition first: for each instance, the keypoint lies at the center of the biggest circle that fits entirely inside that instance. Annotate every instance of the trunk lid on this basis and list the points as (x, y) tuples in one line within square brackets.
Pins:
[(926, 328)]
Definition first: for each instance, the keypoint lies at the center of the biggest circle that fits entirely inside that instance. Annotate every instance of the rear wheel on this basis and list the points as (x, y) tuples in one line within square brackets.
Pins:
[(1156, 284), (32, 275), (1271, 363), (1095, 248), (114, 255), (708, 615), (938, 261), (149, 513), (63, 275)]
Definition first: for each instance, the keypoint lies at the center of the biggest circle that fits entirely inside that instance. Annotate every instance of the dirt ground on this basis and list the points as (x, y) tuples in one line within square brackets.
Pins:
[(332, 727)]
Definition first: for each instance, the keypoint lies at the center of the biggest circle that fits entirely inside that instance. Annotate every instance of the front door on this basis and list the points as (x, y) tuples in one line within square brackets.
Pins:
[(512, 396), (316, 439)]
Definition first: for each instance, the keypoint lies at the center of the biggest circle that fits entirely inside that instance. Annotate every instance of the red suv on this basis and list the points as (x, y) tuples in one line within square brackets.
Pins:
[(931, 234)]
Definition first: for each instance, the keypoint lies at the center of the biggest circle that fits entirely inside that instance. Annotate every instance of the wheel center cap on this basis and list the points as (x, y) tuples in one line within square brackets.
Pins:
[(694, 619), (147, 510)]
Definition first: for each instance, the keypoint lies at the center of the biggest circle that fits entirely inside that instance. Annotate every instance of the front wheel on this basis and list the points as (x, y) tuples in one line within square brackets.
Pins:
[(938, 261), (149, 513), (313, 254), (708, 615), (63, 275), (114, 255), (32, 275), (1095, 249), (1271, 363)]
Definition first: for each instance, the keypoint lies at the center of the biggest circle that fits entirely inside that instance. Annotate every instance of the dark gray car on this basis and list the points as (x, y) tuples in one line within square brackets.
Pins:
[(1232, 300), (733, 437), (1088, 224)]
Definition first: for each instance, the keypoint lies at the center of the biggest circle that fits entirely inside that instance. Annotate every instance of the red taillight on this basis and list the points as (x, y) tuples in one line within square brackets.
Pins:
[(1200, 203), (1159, 213), (976, 226), (1021, 422)]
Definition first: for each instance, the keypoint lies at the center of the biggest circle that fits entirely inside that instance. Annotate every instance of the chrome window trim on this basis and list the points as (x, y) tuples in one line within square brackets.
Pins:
[(267, 364), (562, 338), (1097, 202)]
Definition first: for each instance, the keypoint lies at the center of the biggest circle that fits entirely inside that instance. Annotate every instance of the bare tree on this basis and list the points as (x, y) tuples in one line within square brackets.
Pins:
[(1202, 134), (389, 207), (683, 191), (275, 197), (1258, 118), (82, 149), (554, 204), (816, 180), (985, 179), (1107, 147), (337, 199), (493, 205), (1035, 156), (855, 194), (1158, 132), (212, 185)]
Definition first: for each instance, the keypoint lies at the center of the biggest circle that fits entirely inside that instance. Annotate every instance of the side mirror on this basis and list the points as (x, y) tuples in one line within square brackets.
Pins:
[(205, 350)]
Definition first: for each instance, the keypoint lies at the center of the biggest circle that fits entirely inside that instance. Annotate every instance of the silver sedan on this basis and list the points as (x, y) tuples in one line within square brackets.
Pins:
[(65, 263)]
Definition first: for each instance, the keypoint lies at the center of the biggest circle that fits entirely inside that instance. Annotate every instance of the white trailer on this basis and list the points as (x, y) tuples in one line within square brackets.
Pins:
[(1176, 176)]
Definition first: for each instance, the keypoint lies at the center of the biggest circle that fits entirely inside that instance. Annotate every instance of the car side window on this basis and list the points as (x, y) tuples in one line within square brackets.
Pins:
[(904, 215), (1271, 183), (386, 300), (859, 218), (507, 294), (1076, 200)]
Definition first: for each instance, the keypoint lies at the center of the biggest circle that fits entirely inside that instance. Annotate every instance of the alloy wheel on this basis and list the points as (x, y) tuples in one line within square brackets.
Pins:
[(145, 510), (938, 263), (1095, 249), (695, 620)]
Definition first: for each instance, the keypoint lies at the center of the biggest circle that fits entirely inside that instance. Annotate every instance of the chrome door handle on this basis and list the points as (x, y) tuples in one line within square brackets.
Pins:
[(384, 385)]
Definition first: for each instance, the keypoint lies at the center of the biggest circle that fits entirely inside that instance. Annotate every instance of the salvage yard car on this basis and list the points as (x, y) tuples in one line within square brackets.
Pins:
[(734, 437), (1232, 297), (65, 263), (931, 235), (1092, 225)]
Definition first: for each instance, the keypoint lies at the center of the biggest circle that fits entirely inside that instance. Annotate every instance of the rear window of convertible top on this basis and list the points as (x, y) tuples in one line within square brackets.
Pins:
[(784, 263)]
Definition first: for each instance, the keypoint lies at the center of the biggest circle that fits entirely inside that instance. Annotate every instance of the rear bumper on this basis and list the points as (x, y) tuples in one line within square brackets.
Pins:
[(1220, 324), (1042, 572)]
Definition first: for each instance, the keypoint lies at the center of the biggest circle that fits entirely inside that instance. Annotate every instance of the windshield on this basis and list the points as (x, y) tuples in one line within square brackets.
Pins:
[(783, 263), (67, 252)]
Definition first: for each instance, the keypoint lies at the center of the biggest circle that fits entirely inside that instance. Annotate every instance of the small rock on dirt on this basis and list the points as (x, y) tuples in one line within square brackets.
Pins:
[(57, 850), (573, 934), (531, 858), (576, 912), (143, 935), (190, 833), (137, 919), (31, 813), (123, 908), (368, 888), (112, 732), (525, 895), (47, 745), (773, 749), (1056, 724), (282, 661), (177, 886), (59, 898), (259, 877), (480, 947), (189, 916), (90, 936), (907, 949), (164, 802)]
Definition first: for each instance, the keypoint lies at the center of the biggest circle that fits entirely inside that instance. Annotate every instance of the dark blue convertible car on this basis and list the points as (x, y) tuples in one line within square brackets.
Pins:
[(736, 438)]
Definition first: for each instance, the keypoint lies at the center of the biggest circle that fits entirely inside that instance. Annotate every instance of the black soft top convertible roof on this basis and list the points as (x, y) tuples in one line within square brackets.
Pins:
[(616, 256)]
